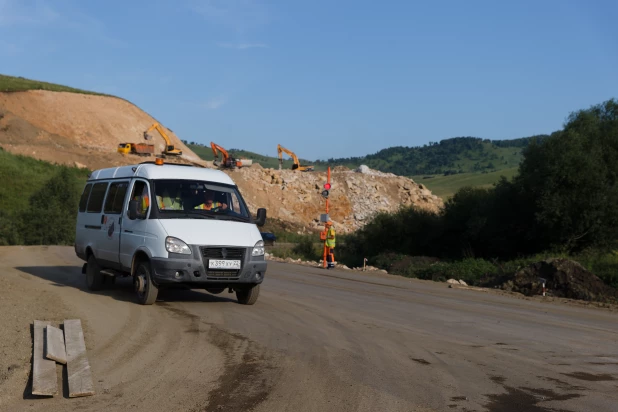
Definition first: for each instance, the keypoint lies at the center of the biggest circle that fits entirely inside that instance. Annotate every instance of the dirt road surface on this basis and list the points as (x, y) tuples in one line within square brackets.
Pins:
[(315, 341)]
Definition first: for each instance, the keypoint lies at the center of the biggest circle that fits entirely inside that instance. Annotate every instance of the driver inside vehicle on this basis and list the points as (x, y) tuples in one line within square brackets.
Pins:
[(210, 204)]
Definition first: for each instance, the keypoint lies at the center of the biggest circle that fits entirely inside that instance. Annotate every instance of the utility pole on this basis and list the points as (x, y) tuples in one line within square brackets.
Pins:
[(324, 218)]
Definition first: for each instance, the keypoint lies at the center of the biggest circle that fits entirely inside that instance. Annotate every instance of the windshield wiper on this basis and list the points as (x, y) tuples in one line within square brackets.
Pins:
[(198, 213), (193, 214), (234, 218)]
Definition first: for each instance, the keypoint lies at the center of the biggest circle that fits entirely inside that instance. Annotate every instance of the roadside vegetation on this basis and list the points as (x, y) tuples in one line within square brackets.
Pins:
[(20, 84), (562, 202), (38, 201)]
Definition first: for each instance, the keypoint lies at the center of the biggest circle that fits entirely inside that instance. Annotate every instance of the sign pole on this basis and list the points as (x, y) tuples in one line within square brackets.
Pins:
[(324, 234)]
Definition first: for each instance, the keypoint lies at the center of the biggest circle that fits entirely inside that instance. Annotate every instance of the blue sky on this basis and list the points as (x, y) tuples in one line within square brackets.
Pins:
[(325, 78)]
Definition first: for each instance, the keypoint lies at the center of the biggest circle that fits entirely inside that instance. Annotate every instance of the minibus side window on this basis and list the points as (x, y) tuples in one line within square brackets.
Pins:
[(115, 198), (95, 203), (83, 201)]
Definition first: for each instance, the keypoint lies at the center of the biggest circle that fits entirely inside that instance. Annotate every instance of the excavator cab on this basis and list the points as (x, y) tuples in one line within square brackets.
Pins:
[(124, 148)]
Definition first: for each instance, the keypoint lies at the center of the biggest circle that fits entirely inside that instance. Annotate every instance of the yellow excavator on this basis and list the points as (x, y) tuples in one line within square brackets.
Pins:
[(296, 165), (169, 147), (226, 159)]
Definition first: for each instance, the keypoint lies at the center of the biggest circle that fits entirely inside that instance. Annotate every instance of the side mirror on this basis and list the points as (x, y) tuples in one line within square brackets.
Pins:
[(261, 217), (133, 204)]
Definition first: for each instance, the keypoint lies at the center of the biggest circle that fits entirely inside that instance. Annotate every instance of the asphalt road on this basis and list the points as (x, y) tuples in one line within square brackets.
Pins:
[(321, 340)]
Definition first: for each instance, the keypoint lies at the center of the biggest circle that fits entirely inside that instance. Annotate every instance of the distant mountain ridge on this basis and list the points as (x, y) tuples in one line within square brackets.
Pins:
[(449, 156)]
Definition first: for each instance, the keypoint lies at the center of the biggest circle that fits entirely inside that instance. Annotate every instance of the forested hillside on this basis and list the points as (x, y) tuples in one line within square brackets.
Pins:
[(447, 157)]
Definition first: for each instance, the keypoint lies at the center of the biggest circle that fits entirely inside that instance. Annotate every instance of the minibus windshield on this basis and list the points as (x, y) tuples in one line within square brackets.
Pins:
[(198, 196)]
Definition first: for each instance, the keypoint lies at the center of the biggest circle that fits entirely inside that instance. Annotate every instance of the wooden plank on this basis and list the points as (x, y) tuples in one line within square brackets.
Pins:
[(54, 345), (78, 368), (44, 378)]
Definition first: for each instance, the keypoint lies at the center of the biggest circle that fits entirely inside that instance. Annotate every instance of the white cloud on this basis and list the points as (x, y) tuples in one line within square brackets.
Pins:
[(214, 103), (242, 46)]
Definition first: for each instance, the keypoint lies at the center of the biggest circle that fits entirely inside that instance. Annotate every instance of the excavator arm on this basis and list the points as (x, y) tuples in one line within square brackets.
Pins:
[(169, 147), (297, 165), (224, 154), (226, 159)]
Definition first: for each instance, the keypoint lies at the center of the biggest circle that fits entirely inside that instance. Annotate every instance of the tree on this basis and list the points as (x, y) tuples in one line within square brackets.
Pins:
[(571, 178), (50, 217)]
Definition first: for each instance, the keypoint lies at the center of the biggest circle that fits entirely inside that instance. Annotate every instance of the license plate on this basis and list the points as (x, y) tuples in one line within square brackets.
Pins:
[(223, 264)]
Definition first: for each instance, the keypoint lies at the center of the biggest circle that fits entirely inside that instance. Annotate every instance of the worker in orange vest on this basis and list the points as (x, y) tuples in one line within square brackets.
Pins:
[(330, 244)]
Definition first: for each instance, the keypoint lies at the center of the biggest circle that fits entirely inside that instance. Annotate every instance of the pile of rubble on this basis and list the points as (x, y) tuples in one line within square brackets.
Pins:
[(561, 278), (354, 198)]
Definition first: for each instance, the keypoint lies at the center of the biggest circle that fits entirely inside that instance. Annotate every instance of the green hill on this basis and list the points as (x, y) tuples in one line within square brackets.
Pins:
[(447, 157), (20, 84), (446, 186)]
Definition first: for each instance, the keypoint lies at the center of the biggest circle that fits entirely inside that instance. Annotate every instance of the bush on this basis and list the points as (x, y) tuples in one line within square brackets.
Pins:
[(469, 270), (605, 266), (306, 250), (403, 265), (52, 212)]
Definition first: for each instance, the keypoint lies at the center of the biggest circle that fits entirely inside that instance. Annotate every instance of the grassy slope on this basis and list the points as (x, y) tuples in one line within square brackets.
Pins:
[(20, 84), (446, 186), (500, 157), (22, 176)]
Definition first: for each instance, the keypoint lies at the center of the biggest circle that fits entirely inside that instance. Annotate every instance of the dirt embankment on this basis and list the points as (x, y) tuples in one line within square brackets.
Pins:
[(355, 195), (85, 130), (76, 129)]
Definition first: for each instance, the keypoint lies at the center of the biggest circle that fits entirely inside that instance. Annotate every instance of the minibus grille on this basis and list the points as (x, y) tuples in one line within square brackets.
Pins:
[(223, 253)]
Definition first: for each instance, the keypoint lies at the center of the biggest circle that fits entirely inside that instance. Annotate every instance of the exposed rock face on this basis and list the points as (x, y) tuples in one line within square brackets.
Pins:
[(563, 278), (354, 197)]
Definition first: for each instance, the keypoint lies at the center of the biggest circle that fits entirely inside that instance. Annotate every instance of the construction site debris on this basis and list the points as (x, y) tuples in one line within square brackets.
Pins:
[(354, 198), (563, 278), (44, 379), (54, 345), (78, 367)]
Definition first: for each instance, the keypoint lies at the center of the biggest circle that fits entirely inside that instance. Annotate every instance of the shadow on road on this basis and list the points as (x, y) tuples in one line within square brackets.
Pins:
[(121, 289)]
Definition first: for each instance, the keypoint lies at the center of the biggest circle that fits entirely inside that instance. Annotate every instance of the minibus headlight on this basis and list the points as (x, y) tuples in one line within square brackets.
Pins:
[(258, 249), (174, 245)]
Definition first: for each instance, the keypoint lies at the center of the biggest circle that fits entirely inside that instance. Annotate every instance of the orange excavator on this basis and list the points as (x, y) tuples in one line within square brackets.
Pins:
[(169, 147), (296, 165), (226, 159)]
